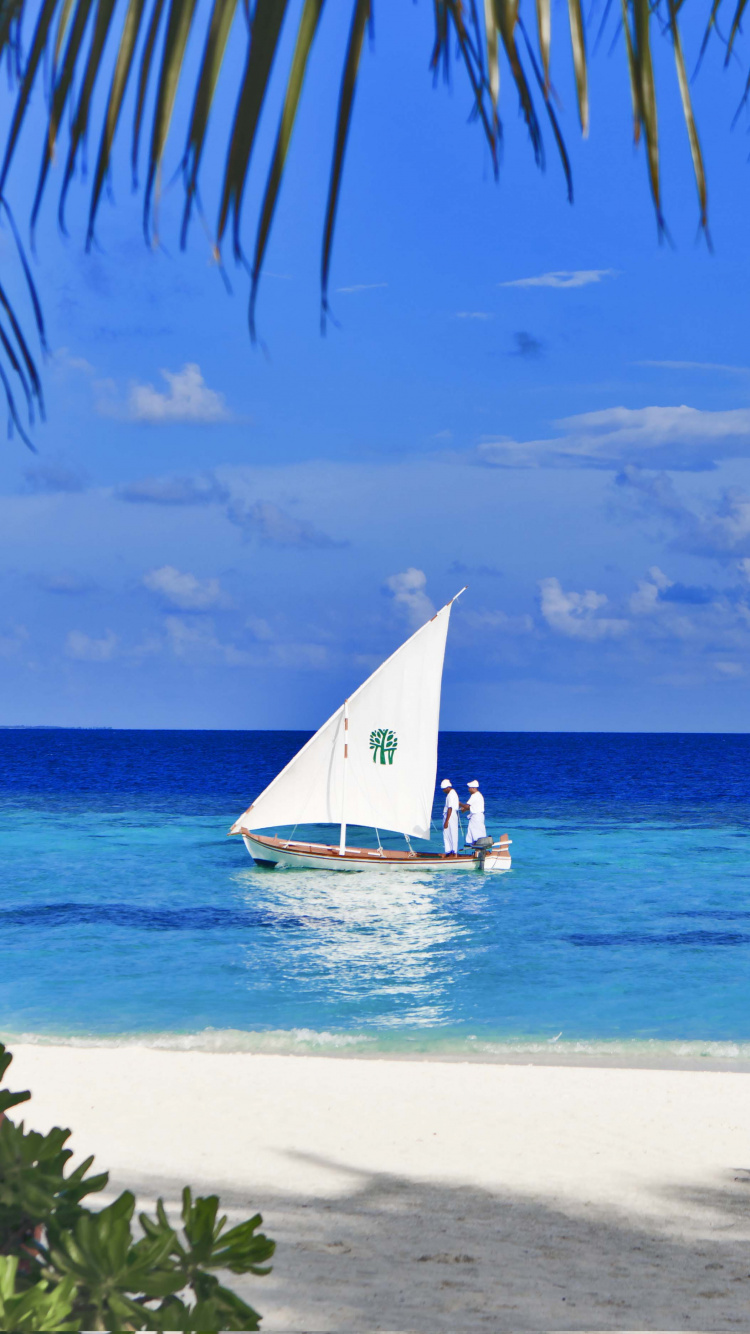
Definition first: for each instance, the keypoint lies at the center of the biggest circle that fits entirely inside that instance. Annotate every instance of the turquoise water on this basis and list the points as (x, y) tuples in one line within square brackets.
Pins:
[(127, 914)]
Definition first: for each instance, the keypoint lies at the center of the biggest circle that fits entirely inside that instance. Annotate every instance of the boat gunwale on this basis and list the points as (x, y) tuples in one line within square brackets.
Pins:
[(364, 854)]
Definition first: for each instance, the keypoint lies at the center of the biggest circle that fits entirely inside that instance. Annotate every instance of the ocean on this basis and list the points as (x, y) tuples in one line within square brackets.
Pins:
[(623, 929)]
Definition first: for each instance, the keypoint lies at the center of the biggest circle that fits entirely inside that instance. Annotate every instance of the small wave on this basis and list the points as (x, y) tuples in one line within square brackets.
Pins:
[(611, 940), (417, 1045), (149, 919)]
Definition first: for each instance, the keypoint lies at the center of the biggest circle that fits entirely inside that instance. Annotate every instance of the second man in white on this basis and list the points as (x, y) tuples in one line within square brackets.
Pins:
[(450, 818), (475, 807)]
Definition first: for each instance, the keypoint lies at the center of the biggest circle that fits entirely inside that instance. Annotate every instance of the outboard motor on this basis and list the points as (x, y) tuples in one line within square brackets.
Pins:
[(482, 847)]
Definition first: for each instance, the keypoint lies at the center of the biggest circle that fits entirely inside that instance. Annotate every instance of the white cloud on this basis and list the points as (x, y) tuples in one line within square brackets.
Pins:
[(646, 597), (408, 589), (65, 360), (184, 590), (563, 278), (87, 649), (719, 529), (273, 526), (679, 438), (261, 520), (709, 366), (259, 628), (576, 614), (474, 315), (197, 641), (186, 399), (201, 489), (731, 669), (361, 287)]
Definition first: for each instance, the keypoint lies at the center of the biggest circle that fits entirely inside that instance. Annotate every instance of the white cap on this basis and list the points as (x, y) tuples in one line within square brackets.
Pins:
[(473, 783), (446, 783)]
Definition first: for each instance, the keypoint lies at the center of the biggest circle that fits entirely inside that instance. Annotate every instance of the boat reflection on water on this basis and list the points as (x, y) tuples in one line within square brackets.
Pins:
[(391, 943)]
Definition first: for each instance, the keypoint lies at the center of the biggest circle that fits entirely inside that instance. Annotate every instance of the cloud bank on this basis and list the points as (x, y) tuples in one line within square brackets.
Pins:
[(677, 438), (258, 519)]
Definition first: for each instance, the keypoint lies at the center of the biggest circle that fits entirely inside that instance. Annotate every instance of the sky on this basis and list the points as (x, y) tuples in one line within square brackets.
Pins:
[(538, 400)]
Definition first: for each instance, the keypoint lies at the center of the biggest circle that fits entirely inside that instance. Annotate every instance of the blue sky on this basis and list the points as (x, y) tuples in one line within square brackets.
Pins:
[(539, 401)]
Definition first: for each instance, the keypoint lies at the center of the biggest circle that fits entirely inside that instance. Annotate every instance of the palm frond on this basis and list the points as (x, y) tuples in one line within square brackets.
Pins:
[(360, 19), (308, 26), (501, 45)]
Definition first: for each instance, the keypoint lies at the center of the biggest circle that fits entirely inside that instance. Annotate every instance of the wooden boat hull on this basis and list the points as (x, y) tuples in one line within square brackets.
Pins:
[(278, 852)]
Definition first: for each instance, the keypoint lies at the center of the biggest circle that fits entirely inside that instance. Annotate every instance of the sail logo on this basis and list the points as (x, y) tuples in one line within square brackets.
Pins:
[(383, 743)]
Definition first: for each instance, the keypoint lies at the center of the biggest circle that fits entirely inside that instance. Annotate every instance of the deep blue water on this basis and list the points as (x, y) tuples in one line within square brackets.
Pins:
[(125, 911)]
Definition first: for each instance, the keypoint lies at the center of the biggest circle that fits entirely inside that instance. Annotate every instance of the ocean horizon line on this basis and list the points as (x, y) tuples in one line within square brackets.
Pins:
[(300, 731)]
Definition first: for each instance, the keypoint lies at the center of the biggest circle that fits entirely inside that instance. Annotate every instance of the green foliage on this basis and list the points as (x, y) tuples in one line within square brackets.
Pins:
[(65, 1267)]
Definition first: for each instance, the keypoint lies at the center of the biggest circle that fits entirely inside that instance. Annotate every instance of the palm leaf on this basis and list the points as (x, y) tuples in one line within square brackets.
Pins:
[(179, 24), (60, 95), (544, 32), (578, 43), (647, 98), (506, 12), (72, 39), (38, 46), (493, 59), (554, 123), (63, 19), (635, 91), (687, 109), (147, 56), (707, 34), (118, 87), (104, 14), (308, 26), (266, 31), (360, 19), (222, 18), (736, 21)]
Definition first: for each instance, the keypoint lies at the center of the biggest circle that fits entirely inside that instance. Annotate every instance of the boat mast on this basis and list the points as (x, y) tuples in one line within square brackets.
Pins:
[(342, 840)]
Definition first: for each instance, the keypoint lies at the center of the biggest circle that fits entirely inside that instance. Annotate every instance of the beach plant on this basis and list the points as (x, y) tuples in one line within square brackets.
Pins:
[(66, 1267)]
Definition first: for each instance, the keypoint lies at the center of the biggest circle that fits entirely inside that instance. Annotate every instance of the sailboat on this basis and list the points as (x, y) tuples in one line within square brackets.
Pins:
[(372, 764)]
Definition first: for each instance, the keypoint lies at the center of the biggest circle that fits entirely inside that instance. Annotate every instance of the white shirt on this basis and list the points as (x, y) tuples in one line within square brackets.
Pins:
[(451, 803), (476, 803)]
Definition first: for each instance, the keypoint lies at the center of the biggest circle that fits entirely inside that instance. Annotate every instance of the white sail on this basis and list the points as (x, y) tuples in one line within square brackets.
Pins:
[(387, 777)]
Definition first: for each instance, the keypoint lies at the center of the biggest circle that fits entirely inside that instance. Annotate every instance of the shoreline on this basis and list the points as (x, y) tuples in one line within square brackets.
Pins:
[(636, 1054)]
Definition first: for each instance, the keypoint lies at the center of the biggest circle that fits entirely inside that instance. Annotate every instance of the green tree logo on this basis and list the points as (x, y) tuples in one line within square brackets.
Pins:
[(383, 745)]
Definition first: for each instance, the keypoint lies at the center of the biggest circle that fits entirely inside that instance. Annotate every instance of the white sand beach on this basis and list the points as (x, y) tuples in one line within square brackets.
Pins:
[(427, 1196)]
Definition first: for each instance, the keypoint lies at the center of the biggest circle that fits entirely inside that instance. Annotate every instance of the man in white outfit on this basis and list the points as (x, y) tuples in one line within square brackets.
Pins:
[(475, 807), (450, 819)]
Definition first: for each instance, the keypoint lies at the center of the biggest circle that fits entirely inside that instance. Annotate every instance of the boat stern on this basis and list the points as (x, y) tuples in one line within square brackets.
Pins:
[(497, 857)]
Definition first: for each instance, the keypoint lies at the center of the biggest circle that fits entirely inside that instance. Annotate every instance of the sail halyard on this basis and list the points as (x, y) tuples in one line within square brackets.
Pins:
[(342, 836), (373, 762)]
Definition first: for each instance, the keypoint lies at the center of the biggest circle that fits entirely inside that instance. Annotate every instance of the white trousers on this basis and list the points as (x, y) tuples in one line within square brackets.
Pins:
[(476, 828), (450, 835)]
